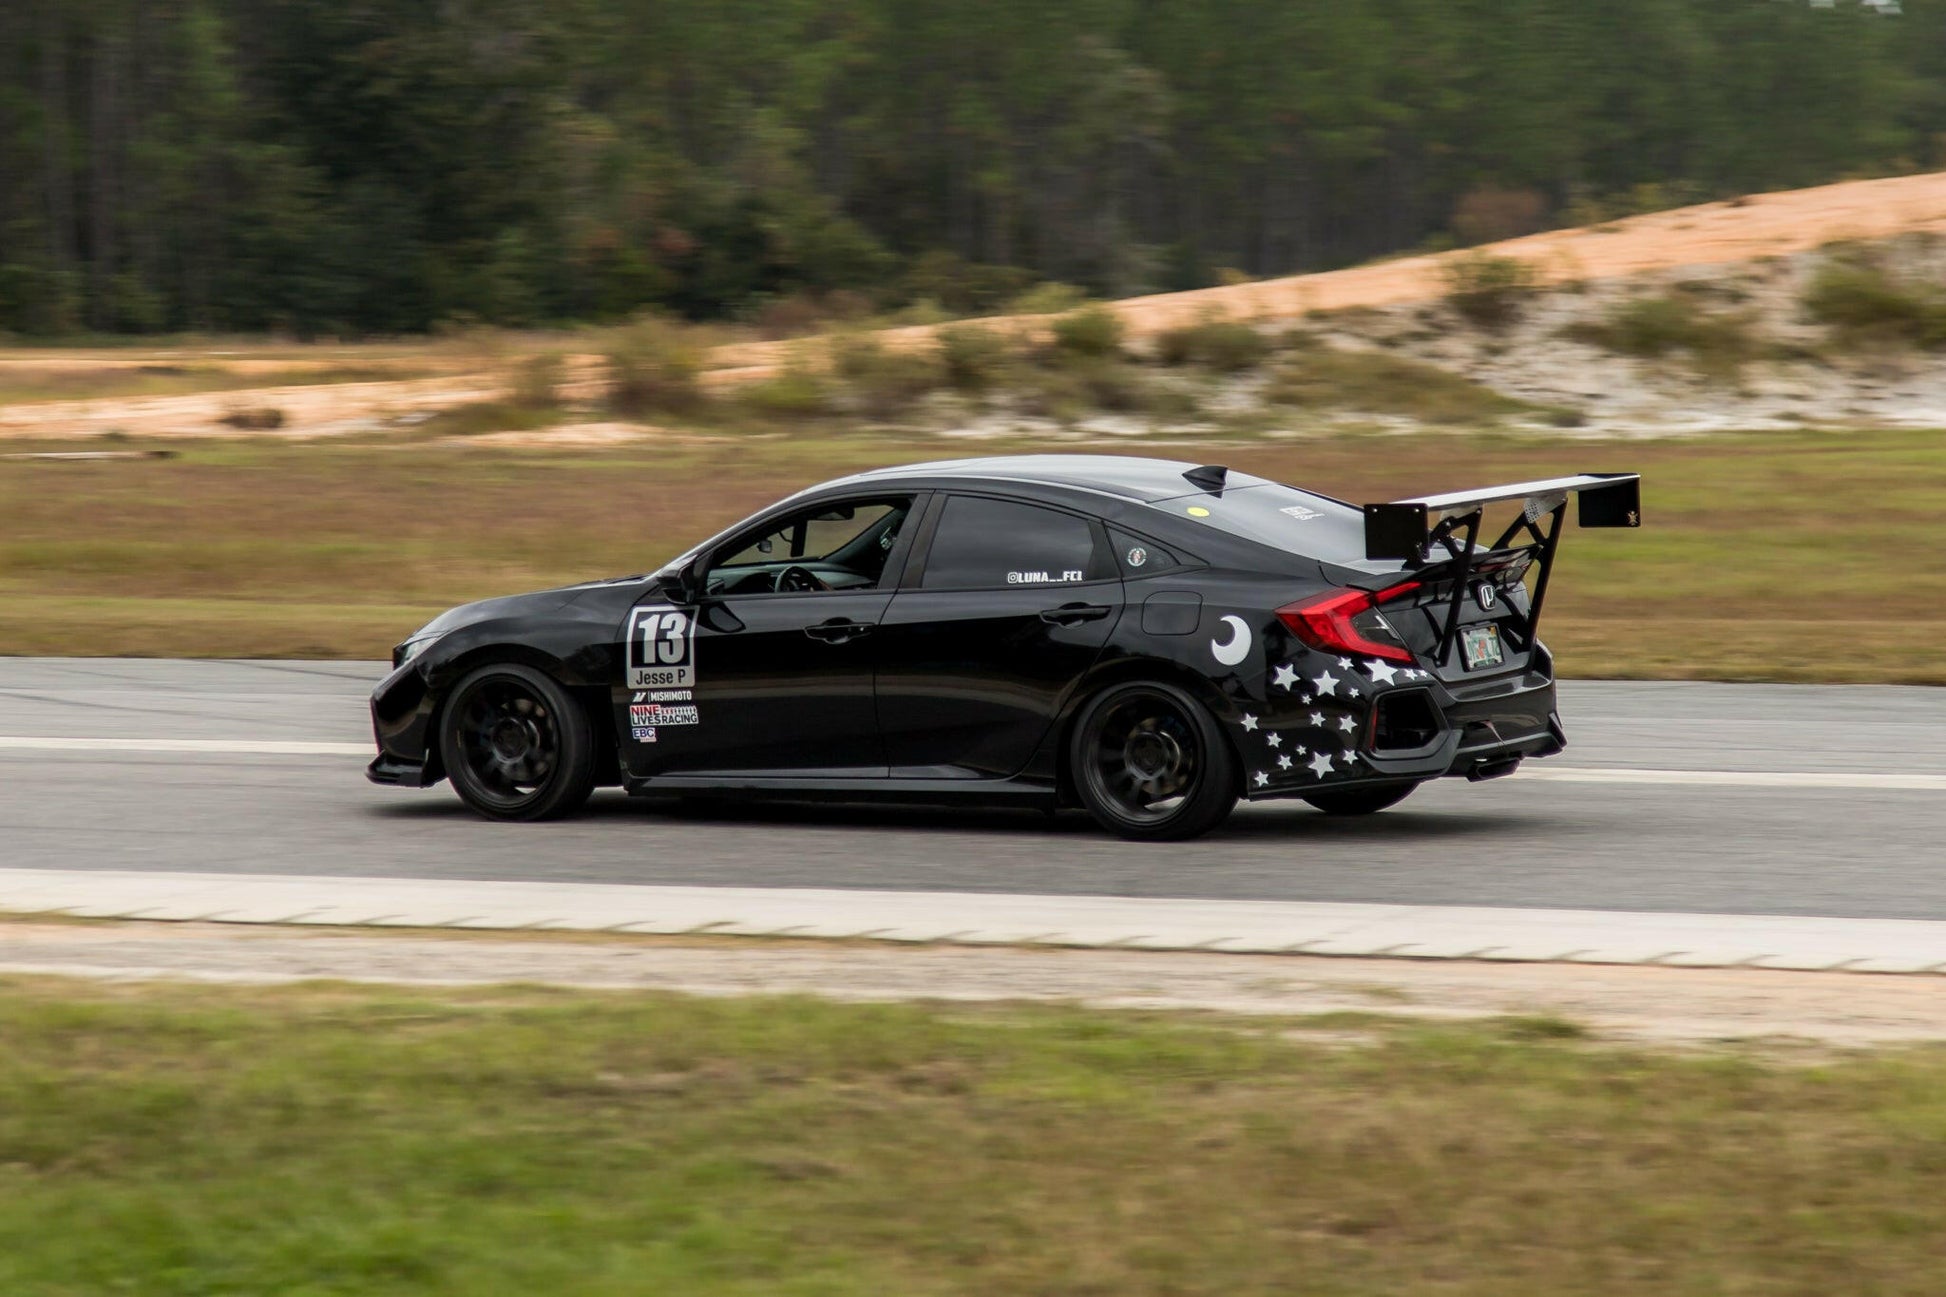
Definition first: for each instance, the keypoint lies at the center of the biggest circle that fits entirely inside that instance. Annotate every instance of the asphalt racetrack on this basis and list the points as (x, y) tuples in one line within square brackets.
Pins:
[(1729, 799)]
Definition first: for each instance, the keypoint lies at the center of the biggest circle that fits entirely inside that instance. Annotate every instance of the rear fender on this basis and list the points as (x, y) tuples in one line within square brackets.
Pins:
[(1053, 757)]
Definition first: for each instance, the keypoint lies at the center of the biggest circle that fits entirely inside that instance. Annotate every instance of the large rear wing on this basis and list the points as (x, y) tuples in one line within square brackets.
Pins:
[(1413, 530)]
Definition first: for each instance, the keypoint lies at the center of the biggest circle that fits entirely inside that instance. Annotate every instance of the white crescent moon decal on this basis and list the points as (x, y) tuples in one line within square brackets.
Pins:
[(1239, 646)]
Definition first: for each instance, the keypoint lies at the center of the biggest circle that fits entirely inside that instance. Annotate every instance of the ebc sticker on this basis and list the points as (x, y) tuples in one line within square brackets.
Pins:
[(1300, 513), (661, 648)]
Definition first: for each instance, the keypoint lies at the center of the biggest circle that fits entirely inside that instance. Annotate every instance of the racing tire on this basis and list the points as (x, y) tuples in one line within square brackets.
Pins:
[(516, 745), (1151, 764), (1361, 801)]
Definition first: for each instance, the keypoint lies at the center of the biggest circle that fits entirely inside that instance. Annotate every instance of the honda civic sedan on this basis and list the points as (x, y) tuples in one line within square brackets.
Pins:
[(1150, 641)]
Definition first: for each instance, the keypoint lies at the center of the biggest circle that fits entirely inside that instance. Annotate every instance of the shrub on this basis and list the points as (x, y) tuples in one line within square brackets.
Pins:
[(1110, 384), (537, 383), (1094, 333), (653, 367), (1377, 382), (884, 382), (260, 419), (966, 287), (1657, 326), (1226, 346), (974, 359), (792, 392), (1487, 291), (1860, 298), (1047, 299), (1092, 384)]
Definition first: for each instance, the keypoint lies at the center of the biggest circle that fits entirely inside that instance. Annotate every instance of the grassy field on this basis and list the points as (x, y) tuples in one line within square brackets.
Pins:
[(326, 1140), (1804, 556)]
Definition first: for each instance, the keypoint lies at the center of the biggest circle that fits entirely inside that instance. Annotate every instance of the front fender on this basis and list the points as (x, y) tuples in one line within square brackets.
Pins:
[(576, 646)]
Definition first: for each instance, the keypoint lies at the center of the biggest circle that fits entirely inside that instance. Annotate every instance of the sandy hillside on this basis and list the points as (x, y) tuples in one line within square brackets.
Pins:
[(1713, 234), (1761, 228)]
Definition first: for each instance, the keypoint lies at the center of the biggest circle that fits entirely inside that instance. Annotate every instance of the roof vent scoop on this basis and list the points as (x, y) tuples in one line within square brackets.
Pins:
[(1210, 477)]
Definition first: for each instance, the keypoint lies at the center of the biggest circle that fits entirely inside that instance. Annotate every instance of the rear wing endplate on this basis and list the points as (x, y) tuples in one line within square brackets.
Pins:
[(1449, 524)]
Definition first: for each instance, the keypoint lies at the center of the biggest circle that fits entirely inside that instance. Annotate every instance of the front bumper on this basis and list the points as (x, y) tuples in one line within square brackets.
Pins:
[(402, 728), (395, 773)]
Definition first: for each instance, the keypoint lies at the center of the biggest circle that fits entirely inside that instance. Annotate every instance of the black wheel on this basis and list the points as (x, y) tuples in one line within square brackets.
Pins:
[(1361, 801), (1150, 763), (516, 746)]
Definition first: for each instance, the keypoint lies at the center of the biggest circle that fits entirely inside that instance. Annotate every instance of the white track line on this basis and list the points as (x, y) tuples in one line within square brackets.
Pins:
[(1273, 927), (241, 747), (1733, 778), (1556, 774)]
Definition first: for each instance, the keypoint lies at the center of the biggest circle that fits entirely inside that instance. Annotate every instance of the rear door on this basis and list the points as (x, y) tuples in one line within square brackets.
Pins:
[(1005, 607)]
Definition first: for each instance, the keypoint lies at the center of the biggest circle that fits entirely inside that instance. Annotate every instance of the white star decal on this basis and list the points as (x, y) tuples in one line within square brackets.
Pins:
[(1249, 721), (1347, 724), (1274, 740), (1382, 673), (1284, 762), (1321, 764), (1345, 663), (1303, 751), (1326, 683), (1317, 718), (1285, 677), (1262, 779)]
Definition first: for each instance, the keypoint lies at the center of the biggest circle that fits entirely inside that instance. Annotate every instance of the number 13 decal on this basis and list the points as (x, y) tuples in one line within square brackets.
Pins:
[(661, 649)]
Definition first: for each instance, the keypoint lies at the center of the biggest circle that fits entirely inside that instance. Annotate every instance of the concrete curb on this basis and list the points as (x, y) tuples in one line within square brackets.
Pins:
[(1258, 927)]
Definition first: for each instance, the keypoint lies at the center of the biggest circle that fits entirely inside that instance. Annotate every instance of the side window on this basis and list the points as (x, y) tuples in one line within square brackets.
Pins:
[(987, 544), (1140, 557), (825, 547)]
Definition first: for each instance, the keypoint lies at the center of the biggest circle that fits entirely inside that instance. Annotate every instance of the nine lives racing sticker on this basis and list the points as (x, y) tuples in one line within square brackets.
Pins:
[(661, 648), (651, 714)]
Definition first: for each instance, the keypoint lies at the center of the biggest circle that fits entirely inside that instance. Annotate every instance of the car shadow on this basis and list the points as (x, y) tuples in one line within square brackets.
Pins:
[(1261, 822)]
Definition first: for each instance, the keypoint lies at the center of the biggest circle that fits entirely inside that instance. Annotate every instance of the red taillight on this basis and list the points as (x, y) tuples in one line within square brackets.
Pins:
[(1325, 622)]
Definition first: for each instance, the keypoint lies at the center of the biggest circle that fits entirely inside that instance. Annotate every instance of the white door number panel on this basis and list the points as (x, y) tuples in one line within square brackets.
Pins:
[(661, 648)]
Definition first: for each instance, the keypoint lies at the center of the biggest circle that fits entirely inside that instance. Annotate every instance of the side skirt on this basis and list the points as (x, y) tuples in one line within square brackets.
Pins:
[(990, 792)]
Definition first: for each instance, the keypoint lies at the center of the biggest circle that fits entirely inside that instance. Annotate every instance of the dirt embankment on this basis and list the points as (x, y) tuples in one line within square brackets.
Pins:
[(1761, 227), (1712, 234)]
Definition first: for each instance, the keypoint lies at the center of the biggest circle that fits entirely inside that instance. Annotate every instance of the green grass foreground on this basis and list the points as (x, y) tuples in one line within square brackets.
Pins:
[(324, 1140), (1776, 556)]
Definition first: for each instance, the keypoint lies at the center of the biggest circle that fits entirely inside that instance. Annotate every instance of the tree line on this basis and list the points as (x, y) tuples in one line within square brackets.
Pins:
[(384, 166)]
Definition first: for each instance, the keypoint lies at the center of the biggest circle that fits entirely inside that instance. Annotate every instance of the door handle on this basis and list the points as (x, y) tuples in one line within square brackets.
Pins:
[(838, 630), (1069, 613)]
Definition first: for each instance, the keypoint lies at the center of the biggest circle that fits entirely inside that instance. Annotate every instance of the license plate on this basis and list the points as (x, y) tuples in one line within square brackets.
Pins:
[(1480, 646)]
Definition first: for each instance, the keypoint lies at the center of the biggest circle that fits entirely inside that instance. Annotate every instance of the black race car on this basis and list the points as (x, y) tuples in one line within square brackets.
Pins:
[(1147, 639)]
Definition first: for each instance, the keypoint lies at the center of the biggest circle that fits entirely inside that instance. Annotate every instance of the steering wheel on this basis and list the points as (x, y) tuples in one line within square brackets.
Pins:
[(797, 579)]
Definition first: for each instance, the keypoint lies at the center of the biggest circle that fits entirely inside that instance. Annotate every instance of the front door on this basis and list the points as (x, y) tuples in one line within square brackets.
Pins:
[(979, 652), (770, 674)]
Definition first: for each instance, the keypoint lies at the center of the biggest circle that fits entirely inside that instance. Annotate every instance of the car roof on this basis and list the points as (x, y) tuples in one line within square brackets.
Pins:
[(1129, 476)]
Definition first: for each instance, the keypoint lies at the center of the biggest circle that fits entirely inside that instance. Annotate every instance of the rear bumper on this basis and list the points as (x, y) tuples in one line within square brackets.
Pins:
[(1482, 729)]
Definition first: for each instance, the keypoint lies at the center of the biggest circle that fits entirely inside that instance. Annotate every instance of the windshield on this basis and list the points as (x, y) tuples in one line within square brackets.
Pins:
[(1281, 516)]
